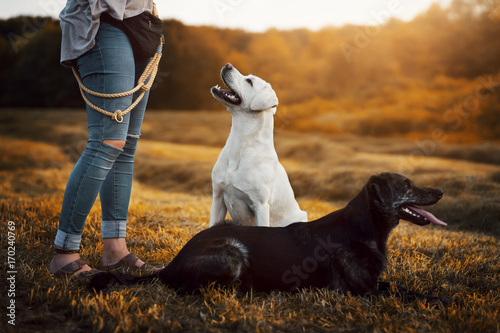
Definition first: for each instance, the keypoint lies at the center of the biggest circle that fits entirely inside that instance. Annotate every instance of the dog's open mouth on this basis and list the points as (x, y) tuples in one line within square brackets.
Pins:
[(227, 95), (418, 216)]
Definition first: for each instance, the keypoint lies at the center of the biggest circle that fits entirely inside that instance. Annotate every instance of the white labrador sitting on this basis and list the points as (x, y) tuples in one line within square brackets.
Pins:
[(248, 180)]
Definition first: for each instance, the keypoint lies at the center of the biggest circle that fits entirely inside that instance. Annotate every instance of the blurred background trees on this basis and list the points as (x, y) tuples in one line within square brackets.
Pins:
[(412, 71)]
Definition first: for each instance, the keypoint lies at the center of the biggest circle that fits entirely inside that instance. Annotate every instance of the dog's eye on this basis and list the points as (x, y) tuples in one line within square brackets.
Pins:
[(250, 82)]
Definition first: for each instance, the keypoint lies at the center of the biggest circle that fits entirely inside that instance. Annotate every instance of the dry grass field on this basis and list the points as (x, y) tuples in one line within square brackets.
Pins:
[(171, 202)]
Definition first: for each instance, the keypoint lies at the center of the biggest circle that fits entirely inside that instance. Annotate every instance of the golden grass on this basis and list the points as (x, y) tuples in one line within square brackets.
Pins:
[(171, 202), (403, 108)]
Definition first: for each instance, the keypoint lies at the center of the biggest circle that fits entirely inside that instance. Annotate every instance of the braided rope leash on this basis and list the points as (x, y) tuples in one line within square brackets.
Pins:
[(150, 71)]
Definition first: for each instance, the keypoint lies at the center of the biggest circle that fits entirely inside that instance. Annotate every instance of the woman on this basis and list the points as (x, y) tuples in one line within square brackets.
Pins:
[(104, 58)]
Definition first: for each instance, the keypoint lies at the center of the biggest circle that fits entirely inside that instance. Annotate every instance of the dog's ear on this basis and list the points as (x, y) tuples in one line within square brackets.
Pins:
[(264, 101), (374, 191), (378, 187)]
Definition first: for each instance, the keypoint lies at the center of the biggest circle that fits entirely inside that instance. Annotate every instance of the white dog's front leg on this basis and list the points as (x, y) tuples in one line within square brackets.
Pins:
[(218, 211), (261, 212)]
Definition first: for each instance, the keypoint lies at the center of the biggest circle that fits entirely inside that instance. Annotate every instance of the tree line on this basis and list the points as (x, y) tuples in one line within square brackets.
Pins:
[(461, 42)]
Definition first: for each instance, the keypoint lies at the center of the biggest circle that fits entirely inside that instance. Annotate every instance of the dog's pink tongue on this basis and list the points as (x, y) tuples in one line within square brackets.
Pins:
[(429, 216)]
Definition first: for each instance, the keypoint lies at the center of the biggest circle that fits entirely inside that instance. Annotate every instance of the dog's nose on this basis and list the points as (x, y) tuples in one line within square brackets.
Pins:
[(439, 193), (229, 66)]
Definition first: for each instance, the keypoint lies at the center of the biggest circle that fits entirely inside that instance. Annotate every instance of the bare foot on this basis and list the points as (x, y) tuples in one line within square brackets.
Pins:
[(114, 250)]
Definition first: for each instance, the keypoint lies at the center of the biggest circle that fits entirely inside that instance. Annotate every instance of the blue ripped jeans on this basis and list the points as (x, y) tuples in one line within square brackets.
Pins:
[(109, 67)]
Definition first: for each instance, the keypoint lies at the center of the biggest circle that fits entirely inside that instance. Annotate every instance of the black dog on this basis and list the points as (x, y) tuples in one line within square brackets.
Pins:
[(345, 250)]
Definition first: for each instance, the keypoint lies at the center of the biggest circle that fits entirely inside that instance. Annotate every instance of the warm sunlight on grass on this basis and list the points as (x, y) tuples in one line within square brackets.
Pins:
[(415, 108), (171, 202)]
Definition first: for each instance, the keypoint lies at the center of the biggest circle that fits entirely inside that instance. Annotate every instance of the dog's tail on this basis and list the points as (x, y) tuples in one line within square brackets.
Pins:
[(102, 280)]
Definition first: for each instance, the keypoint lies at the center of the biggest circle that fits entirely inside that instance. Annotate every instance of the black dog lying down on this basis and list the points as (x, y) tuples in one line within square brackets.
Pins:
[(344, 250)]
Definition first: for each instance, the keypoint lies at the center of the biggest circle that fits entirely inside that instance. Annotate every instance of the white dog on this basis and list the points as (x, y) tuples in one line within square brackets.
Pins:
[(248, 180)]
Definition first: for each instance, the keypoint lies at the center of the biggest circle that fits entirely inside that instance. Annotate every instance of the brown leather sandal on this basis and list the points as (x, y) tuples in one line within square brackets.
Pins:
[(74, 266), (71, 269), (128, 264)]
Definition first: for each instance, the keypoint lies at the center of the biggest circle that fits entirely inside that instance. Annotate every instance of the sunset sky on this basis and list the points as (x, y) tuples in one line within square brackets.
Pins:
[(258, 15)]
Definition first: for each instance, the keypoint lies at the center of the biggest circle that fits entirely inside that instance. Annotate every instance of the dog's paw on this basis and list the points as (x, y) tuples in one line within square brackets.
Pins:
[(226, 222), (101, 281)]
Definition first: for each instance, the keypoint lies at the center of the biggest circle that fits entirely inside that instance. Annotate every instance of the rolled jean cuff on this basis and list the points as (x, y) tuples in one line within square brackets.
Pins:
[(68, 241), (114, 229)]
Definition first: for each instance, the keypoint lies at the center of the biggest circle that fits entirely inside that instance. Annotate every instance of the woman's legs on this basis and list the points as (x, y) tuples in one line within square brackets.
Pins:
[(109, 67)]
